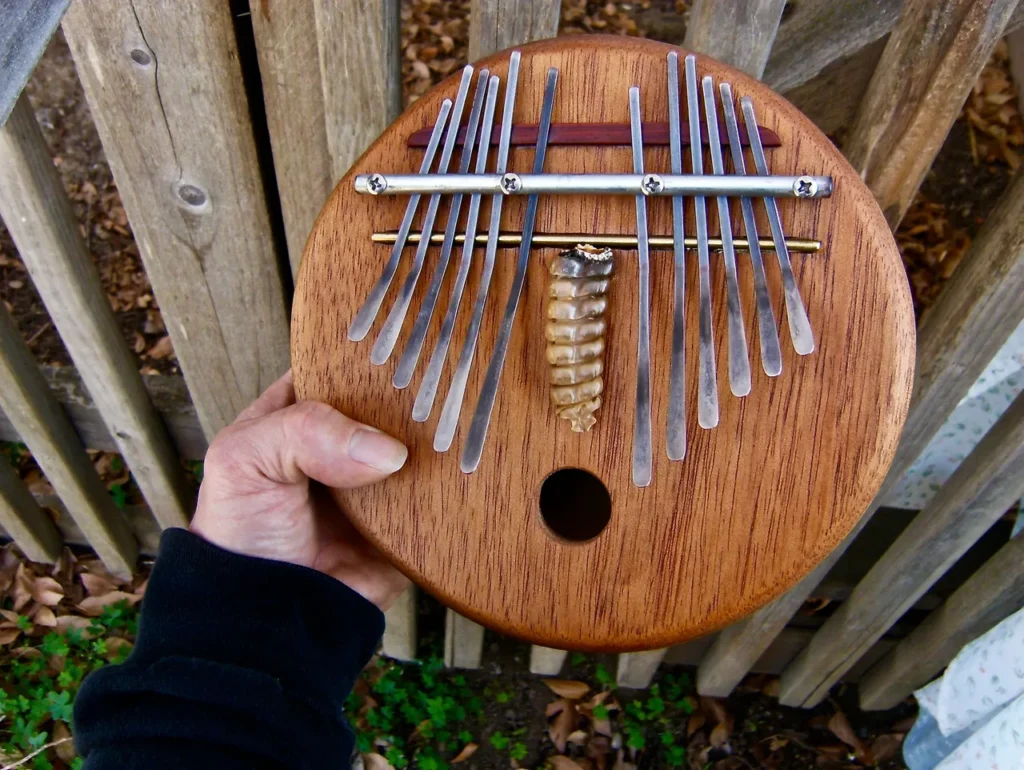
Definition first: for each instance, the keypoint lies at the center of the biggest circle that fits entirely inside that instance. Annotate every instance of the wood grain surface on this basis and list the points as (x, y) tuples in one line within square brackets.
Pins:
[(757, 502)]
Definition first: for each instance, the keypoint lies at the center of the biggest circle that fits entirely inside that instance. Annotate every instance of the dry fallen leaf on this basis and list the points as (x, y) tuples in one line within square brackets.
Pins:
[(66, 749), (376, 761), (93, 605), (467, 751), (10, 615), (44, 617), (8, 634), (885, 747), (22, 591), (46, 590), (567, 688), (115, 645), (841, 728), (97, 585), (561, 762), (772, 688), (65, 622), (695, 722), (579, 737), (719, 736), (161, 349), (563, 724)]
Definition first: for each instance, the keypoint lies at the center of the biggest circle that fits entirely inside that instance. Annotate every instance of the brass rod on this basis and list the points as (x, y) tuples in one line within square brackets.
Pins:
[(798, 245)]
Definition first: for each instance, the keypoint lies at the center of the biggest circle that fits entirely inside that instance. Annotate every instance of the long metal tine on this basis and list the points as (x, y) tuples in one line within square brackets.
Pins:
[(799, 325), (457, 389), (642, 453), (707, 380), (675, 432), (739, 357), (485, 404), (411, 355), (368, 312), (393, 325), (428, 387), (768, 333)]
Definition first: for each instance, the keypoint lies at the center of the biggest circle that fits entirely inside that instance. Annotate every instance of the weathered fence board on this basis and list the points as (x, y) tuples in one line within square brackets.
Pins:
[(293, 96), (27, 28), (498, 24), (463, 641), (36, 210), (546, 660), (400, 627), (165, 89), (637, 669), (360, 65), (42, 425), (970, 321), (933, 58), (979, 492), (739, 33), (24, 521), (991, 594)]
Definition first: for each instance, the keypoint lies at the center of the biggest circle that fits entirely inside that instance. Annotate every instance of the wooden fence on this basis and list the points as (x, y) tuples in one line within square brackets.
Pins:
[(218, 223)]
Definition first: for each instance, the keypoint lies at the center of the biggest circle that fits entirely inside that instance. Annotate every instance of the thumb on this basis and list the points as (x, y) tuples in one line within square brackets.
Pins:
[(309, 440)]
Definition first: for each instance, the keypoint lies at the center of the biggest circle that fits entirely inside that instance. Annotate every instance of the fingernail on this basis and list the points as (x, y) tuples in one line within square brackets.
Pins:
[(378, 450)]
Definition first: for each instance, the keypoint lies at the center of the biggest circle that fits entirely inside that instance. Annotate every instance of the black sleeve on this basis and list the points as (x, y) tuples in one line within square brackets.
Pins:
[(239, 663)]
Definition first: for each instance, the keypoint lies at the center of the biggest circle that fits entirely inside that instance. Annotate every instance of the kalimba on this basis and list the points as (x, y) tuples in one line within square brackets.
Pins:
[(544, 277)]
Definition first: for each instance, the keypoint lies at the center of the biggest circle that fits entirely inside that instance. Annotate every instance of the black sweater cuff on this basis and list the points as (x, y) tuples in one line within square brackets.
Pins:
[(309, 631)]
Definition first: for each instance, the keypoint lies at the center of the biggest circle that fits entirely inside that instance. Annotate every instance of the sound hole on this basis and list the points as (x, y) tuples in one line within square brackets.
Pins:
[(575, 504)]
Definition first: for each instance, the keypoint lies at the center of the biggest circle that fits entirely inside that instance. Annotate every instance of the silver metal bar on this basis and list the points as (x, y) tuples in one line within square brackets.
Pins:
[(611, 240), (449, 420), (768, 333), (642, 453), (485, 404), (675, 429), (799, 325), (707, 379), (411, 354), (597, 184), (368, 312), (739, 357), (428, 387), (393, 325)]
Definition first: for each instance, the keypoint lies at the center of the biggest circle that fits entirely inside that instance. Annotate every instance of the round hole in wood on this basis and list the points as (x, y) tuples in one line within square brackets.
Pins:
[(575, 504)]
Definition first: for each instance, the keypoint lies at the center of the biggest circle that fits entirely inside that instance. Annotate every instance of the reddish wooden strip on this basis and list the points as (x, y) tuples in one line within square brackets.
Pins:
[(597, 134)]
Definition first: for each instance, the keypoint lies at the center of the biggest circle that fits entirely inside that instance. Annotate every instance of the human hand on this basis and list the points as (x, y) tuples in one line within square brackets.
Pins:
[(256, 497)]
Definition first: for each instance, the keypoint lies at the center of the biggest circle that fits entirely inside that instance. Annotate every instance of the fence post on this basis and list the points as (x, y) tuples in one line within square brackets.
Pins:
[(933, 58), (987, 483), (498, 24), (963, 330), (36, 210), (164, 86), (637, 669), (739, 33), (43, 426), (463, 641), (991, 594), (400, 627), (23, 519), (546, 660)]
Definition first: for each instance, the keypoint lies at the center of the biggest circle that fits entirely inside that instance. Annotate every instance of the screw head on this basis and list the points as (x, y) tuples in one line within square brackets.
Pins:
[(652, 184), (376, 184), (805, 187), (511, 183)]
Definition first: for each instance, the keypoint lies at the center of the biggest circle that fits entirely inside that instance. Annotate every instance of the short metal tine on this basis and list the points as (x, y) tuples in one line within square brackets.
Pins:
[(768, 333), (799, 325), (413, 348), (676, 427), (449, 420), (428, 387), (393, 325), (485, 404), (739, 357), (364, 319), (642, 453), (707, 380)]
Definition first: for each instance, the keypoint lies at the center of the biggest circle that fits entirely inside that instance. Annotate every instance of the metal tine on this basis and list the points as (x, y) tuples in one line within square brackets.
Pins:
[(485, 404), (768, 333), (413, 348), (739, 357), (428, 387), (707, 379), (393, 325), (449, 420), (368, 312), (642, 454), (676, 426), (799, 325)]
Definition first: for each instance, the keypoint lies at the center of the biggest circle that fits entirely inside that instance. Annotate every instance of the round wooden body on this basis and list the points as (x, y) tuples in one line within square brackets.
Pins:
[(756, 503)]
